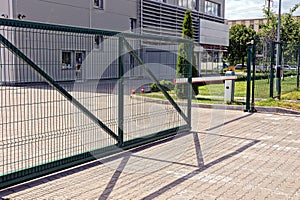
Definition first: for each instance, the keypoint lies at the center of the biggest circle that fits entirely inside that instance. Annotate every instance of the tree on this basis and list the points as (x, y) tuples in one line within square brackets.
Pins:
[(182, 60), (289, 32), (239, 36), (290, 27)]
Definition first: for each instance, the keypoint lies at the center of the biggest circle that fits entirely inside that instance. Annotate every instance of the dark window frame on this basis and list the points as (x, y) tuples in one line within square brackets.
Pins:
[(98, 4), (212, 8)]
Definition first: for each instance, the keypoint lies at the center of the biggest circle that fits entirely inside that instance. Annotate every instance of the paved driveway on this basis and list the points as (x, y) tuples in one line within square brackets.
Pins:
[(228, 155)]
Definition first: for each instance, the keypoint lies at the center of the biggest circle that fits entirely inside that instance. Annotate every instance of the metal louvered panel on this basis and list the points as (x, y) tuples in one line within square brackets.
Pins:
[(165, 19)]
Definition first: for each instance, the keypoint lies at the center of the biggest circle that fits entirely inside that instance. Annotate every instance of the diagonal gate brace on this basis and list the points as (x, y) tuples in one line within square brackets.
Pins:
[(153, 78), (54, 84)]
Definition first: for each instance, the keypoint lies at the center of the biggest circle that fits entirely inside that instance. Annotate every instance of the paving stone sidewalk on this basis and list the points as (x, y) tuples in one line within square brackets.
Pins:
[(228, 155)]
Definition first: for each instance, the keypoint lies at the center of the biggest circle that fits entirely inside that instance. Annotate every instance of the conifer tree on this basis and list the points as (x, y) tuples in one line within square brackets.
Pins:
[(182, 61)]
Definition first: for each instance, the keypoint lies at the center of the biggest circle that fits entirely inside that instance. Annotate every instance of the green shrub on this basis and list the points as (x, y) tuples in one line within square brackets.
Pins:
[(166, 85), (154, 87)]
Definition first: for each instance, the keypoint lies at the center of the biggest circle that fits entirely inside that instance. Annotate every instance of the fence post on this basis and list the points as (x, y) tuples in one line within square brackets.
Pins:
[(272, 69), (252, 109), (249, 58), (121, 94), (278, 69), (298, 71)]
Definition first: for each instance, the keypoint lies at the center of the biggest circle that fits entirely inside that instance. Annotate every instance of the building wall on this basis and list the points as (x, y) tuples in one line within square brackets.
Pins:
[(253, 23), (97, 63), (5, 10), (211, 34), (114, 16), (156, 17), (166, 19)]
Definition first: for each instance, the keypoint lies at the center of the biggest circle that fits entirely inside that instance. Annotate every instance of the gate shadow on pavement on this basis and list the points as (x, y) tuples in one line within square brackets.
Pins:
[(198, 171), (228, 122), (123, 155), (201, 166)]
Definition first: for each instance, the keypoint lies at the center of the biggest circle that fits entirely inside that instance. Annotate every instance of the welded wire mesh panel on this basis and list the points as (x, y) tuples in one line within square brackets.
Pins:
[(290, 60), (146, 109), (262, 55), (68, 94), (38, 124)]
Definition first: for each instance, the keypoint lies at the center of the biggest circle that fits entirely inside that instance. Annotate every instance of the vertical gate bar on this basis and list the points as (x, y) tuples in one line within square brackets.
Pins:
[(272, 69), (121, 94), (190, 89), (249, 54)]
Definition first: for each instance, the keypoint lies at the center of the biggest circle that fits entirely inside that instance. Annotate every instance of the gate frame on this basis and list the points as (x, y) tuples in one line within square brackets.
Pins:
[(32, 172)]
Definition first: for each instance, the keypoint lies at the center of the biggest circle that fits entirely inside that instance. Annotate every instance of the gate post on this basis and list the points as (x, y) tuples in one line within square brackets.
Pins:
[(252, 109), (248, 89), (190, 86), (272, 69), (121, 94)]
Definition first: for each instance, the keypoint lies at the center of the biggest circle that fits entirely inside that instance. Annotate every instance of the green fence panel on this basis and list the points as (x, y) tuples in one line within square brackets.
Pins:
[(71, 95)]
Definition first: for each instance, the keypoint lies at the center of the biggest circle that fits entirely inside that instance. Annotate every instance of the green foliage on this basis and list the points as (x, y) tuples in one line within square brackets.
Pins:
[(290, 27), (187, 26), (276, 103), (166, 85), (294, 95), (239, 36), (289, 33), (154, 87), (182, 60)]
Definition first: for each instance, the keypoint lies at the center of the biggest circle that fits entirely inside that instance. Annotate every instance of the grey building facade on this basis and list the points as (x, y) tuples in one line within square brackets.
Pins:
[(211, 34), (159, 17)]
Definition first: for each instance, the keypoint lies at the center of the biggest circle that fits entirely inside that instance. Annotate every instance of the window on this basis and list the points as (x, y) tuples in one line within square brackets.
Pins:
[(212, 8), (72, 60), (67, 60), (132, 25), (98, 4), (99, 42), (190, 4)]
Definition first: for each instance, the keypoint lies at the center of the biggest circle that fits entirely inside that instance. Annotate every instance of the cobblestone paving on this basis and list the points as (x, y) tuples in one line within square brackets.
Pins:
[(228, 155)]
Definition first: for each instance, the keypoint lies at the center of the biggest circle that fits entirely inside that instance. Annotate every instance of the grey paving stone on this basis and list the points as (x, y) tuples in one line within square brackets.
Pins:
[(237, 156)]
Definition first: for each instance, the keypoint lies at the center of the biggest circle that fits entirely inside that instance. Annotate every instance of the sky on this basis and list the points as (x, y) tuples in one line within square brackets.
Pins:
[(249, 9)]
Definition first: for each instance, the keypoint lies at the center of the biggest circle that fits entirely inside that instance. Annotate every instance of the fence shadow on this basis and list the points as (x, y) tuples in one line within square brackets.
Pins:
[(125, 156)]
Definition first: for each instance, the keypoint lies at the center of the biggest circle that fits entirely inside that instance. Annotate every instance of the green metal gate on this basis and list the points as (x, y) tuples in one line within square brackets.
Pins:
[(67, 96)]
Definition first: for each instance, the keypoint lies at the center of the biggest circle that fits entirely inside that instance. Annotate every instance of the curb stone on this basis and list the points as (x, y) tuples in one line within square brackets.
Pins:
[(260, 109)]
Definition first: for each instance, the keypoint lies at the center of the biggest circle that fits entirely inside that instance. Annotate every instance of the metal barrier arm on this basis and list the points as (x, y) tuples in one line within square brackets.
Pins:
[(54, 84), (153, 78)]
